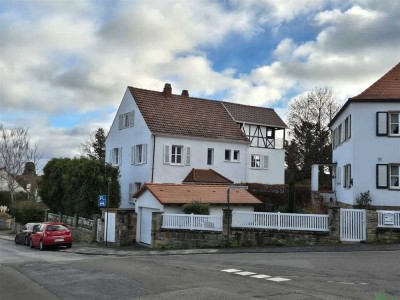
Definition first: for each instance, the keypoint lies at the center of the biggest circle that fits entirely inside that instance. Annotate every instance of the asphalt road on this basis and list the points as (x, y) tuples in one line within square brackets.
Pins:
[(31, 274)]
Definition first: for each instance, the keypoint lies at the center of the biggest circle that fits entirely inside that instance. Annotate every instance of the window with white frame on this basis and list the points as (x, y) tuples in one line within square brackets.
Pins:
[(177, 155), (210, 156), (236, 155), (227, 154), (139, 154), (347, 180), (116, 156), (126, 120), (394, 176), (259, 161), (394, 123), (232, 155)]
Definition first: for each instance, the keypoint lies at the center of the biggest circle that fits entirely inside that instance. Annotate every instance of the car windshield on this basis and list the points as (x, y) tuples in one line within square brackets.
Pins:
[(57, 227)]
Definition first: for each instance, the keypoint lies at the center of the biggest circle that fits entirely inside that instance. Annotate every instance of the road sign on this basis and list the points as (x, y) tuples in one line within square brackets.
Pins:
[(102, 200)]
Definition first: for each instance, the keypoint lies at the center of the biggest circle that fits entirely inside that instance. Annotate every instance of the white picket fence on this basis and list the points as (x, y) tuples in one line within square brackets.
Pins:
[(192, 222), (266, 220), (388, 219)]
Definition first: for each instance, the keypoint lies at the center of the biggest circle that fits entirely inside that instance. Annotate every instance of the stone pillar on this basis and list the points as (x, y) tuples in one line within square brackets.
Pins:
[(155, 228), (372, 223), (334, 223), (226, 225), (75, 222)]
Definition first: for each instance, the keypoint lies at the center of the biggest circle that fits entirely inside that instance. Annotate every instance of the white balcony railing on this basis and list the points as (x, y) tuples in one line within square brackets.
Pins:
[(263, 220), (192, 222)]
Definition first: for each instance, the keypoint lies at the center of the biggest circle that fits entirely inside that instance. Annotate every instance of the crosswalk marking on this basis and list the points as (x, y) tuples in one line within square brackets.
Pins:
[(245, 273), (261, 276), (231, 270), (278, 279)]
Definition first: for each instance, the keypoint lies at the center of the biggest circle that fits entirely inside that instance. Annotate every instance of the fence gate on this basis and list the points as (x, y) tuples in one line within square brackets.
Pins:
[(353, 225)]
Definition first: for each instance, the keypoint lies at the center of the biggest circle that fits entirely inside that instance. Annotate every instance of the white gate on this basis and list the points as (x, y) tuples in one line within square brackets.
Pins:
[(353, 225), (109, 223)]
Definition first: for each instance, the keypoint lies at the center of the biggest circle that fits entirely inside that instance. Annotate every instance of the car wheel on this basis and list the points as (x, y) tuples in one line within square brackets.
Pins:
[(16, 239), (30, 243), (41, 246), (69, 245)]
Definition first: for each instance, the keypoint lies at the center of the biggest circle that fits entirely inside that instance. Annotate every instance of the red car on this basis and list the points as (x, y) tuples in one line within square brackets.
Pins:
[(51, 234)]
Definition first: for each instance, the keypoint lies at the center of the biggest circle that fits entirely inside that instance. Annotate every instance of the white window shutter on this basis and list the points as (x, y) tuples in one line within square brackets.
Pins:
[(144, 153), (381, 123), (382, 176), (133, 155), (265, 162), (349, 128), (166, 154), (120, 121), (187, 156), (131, 118), (120, 156)]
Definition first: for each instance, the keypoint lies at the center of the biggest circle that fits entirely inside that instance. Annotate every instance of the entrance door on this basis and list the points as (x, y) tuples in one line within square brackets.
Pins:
[(109, 230), (145, 225), (353, 225)]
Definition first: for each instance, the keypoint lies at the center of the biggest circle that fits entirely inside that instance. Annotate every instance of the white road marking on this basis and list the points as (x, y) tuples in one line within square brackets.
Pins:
[(278, 279), (245, 273), (261, 276), (231, 270)]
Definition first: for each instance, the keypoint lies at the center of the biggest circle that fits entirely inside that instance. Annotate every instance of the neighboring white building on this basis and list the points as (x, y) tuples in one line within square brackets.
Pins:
[(159, 137), (366, 143)]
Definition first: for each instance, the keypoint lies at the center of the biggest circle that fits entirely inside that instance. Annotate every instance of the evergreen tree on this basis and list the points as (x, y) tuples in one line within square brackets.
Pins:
[(94, 146)]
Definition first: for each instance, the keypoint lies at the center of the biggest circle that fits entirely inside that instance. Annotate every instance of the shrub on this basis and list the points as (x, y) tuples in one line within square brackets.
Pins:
[(27, 211), (364, 200), (197, 208)]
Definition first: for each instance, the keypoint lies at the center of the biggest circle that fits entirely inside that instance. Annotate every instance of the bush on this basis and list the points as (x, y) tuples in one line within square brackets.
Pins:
[(197, 208), (364, 200), (27, 211)]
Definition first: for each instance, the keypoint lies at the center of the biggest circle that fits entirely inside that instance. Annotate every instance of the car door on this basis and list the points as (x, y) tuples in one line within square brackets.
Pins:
[(36, 234)]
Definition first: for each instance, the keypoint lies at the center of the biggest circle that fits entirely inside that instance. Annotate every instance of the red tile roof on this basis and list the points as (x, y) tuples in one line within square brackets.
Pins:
[(254, 114), (386, 88), (186, 116), (201, 176), (186, 193)]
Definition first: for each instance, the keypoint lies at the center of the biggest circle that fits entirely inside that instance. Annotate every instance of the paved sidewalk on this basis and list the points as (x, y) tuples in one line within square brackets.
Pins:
[(139, 250)]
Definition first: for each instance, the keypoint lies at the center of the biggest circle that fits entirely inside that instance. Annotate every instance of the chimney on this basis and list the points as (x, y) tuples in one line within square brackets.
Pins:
[(167, 90), (185, 93)]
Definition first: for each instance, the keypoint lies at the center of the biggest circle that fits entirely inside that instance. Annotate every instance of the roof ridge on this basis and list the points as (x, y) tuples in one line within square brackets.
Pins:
[(247, 105)]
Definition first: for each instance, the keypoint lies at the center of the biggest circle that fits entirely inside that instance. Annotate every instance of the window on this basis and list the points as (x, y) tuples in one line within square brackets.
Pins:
[(236, 155), (394, 176), (177, 155), (116, 155), (210, 156), (259, 161), (338, 175), (227, 154), (394, 124), (347, 181), (126, 120), (138, 155)]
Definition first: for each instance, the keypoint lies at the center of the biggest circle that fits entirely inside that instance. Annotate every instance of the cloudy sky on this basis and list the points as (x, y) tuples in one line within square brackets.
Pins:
[(65, 65)]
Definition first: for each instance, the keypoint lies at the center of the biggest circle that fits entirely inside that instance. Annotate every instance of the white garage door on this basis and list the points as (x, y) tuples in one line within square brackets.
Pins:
[(145, 225)]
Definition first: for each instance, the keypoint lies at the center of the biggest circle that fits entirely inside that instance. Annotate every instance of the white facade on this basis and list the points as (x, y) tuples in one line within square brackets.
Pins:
[(141, 155), (363, 151)]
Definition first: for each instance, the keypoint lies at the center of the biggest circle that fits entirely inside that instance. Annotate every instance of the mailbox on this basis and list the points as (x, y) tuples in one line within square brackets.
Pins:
[(388, 219)]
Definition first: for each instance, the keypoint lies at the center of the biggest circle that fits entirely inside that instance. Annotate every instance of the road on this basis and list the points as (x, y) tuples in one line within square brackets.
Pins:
[(31, 274)]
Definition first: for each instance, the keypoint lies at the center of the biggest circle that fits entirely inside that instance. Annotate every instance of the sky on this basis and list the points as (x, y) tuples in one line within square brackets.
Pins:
[(65, 65)]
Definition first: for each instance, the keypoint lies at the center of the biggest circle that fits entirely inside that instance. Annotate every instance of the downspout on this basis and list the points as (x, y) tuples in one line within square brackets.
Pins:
[(152, 161)]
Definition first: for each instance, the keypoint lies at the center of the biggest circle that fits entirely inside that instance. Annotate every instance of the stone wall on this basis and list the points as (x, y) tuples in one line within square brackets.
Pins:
[(382, 235), (125, 226)]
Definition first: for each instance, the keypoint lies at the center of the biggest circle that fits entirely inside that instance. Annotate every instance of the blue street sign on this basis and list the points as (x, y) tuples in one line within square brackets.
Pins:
[(102, 200)]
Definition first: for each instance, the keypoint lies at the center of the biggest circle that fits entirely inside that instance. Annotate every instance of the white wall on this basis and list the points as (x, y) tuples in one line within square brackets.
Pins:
[(235, 171), (126, 139), (364, 150), (275, 174)]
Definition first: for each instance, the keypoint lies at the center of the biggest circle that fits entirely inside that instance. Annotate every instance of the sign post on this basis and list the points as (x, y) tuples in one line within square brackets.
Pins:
[(104, 203)]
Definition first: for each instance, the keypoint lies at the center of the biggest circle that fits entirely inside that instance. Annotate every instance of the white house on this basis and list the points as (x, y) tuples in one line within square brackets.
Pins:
[(366, 143), (169, 199), (159, 137)]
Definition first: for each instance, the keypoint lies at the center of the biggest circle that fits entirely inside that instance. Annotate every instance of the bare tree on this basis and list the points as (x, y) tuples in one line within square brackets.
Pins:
[(94, 146), (308, 118), (16, 151)]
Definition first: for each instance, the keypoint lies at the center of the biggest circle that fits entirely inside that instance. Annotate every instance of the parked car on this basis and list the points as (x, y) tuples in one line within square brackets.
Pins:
[(51, 234), (24, 234)]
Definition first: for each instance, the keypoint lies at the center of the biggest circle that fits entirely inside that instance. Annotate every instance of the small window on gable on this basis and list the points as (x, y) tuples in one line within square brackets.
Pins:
[(116, 156), (227, 154), (139, 154), (126, 120)]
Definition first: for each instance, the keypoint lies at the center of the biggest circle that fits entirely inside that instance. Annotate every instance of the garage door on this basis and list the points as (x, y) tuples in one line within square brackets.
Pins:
[(145, 225)]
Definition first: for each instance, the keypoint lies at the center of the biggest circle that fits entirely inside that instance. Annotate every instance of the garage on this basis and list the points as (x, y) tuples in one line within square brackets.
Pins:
[(145, 225)]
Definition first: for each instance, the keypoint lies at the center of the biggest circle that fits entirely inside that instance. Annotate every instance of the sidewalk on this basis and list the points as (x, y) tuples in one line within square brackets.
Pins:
[(139, 250)]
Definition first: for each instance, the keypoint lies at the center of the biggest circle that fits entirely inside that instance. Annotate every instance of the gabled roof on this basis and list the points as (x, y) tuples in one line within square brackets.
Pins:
[(186, 116), (254, 114), (387, 87), (186, 193), (202, 176)]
